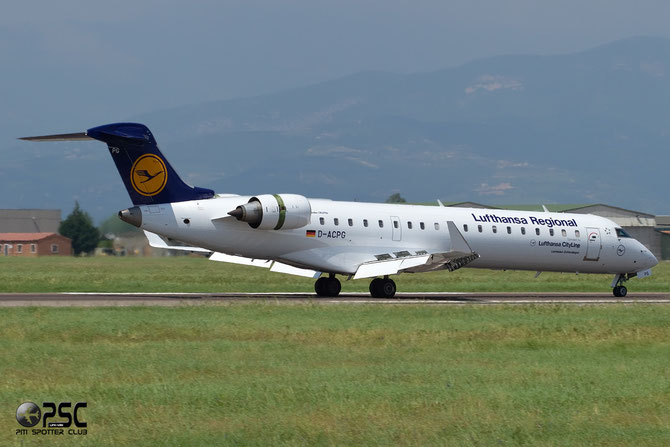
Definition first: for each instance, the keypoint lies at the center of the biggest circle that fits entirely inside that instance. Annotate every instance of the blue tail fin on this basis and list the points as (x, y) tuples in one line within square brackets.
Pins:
[(148, 176)]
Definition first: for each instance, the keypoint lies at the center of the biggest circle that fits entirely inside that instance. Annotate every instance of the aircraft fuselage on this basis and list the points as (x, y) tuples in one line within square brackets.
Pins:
[(337, 239)]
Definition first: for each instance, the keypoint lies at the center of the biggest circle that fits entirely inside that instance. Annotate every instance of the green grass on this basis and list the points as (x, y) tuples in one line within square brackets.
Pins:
[(190, 274), (308, 374)]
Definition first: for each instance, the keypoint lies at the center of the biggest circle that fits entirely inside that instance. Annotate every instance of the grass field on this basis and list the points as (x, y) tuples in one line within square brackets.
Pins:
[(191, 274), (310, 374)]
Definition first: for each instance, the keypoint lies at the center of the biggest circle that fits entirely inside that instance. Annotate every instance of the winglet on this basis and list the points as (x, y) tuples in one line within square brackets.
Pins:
[(458, 242)]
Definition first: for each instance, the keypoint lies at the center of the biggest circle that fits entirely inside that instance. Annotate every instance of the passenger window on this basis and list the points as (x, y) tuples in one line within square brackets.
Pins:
[(351, 222), (422, 225), (381, 224), (336, 221), (523, 230), (509, 230), (564, 233), (409, 225), (479, 228), (395, 224), (437, 226), (576, 233), (322, 221), (495, 229), (551, 231), (465, 227), (537, 231), (365, 222)]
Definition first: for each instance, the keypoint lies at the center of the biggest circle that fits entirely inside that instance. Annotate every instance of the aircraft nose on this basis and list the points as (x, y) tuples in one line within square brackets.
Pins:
[(651, 259)]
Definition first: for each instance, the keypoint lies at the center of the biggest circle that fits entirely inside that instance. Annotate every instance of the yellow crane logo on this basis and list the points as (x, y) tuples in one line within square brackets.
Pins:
[(148, 175)]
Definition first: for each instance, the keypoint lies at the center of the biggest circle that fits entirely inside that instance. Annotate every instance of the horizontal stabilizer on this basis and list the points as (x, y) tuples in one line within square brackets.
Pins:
[(157, 241), (80, 136)]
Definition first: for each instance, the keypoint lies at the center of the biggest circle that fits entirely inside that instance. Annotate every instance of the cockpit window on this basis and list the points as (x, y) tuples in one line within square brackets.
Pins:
[(621, 233)]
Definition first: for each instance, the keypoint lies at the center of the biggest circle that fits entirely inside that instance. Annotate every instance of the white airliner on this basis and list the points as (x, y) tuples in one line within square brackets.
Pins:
[(321, 238)]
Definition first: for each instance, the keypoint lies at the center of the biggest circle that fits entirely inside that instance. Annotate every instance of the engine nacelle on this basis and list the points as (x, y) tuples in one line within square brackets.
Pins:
[(275, 212)]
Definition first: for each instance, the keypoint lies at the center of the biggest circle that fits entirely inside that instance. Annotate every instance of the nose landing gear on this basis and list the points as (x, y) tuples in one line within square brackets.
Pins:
[(619, 289)]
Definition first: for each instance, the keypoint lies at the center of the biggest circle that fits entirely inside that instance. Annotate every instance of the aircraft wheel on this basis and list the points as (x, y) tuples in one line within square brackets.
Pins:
[(375, 288), (332, 286), (620, 291), (388, 288), (320, 286), (382, 288)]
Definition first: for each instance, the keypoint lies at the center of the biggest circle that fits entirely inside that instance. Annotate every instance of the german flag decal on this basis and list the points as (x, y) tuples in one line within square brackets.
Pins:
[(310, 233)]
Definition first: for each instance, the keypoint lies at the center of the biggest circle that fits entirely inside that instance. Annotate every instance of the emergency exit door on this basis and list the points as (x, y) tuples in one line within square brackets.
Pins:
[(396, 228)]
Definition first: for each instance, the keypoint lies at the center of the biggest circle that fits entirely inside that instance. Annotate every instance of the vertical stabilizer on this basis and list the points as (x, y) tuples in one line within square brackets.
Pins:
[(148, 176)]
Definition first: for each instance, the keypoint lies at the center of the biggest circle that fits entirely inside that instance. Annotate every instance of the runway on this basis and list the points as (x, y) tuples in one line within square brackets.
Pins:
[(408, 298)]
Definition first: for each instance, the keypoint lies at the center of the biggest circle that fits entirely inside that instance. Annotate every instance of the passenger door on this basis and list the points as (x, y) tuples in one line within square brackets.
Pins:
[(593, 244)]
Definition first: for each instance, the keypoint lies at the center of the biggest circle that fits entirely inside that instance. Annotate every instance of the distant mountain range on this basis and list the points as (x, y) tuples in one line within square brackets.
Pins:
[(578, 128)]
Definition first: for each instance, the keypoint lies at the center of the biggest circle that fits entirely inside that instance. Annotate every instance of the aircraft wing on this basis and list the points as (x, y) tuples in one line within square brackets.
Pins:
[(459, 255), (275, 266), (163, 242)]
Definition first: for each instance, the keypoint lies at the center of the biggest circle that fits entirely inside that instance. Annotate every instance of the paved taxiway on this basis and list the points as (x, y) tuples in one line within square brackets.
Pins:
[(436, 298)]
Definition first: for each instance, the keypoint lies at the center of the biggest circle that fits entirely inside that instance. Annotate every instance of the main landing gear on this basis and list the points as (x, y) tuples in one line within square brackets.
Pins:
[(382, 288), (329, 286)]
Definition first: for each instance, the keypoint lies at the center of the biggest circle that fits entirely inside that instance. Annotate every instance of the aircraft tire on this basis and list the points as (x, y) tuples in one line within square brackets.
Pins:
[(320, 286), (332, 286), (375, 288), (388, 288), (382, 288), (620, 291)]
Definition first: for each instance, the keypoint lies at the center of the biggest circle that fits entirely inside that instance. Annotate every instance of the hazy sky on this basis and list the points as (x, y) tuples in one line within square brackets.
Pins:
[(78, 62)]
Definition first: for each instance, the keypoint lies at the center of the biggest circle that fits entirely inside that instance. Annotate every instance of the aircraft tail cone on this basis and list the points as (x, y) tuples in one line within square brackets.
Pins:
[(133, 216)]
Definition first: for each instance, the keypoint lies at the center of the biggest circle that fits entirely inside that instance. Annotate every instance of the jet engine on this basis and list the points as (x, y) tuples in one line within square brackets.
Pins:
[(275, 212)]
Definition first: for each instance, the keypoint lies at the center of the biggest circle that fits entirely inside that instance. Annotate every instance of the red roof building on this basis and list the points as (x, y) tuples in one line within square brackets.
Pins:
[(34, 244)]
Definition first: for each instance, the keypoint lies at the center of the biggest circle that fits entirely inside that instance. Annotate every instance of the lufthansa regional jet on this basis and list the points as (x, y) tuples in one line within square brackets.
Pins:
[(320, 238)]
